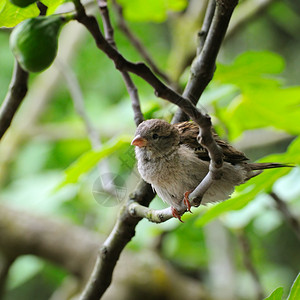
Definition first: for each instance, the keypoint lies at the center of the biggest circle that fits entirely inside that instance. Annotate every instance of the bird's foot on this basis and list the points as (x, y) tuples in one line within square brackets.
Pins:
[(187, 202), (176, 214)]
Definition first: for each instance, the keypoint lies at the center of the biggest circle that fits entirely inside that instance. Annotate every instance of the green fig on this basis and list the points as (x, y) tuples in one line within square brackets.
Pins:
[(22, 3), (34, 42)]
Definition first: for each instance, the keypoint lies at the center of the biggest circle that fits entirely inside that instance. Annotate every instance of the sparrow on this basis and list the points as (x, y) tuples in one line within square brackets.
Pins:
[(170, 158)]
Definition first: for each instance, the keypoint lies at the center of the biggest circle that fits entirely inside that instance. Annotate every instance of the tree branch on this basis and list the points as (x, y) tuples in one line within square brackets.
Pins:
[(247, 259), (16, 93), (22, 233), (153, 215), (202, 34), (140, 69), (74, 249), (137, 44), (203, 66), (131, 88), (122, 233), (285, 211)]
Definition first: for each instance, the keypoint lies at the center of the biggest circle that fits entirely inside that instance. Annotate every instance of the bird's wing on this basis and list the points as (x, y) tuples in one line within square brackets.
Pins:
[(188, 135)]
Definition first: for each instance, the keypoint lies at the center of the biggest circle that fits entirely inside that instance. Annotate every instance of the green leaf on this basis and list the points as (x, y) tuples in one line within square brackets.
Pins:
[(89, 160), (155, 10), (52, 5), (261, 108), (262, 183), (25, 268), (251, 70), (276, 295), (262, 101), (295, 289), (11, 15)]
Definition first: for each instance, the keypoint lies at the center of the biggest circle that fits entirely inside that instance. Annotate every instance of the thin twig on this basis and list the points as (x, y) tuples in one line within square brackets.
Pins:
[(247, 259), (16, 93), (43, 8), (138, 44), (155, 216), (202, 34), (285, 211), (131, 88)]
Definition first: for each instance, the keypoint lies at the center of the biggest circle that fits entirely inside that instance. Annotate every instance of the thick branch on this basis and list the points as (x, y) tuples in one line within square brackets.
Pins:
[(22, 233), (203, 66), (16, 93), (122, 233), (74, 249)]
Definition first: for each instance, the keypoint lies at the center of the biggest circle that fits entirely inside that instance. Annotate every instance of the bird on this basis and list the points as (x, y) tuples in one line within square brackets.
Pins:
[(170, 158)]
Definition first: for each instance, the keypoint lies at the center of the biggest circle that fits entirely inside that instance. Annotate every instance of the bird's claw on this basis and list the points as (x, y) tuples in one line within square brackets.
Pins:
[(187, 202), (176, 214)]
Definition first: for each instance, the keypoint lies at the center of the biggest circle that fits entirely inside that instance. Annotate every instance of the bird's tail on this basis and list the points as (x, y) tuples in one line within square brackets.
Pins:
[(262, 166), (259, 167)]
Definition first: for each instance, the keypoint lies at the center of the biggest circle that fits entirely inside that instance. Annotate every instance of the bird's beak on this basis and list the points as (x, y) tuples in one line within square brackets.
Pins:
[(139, 141)]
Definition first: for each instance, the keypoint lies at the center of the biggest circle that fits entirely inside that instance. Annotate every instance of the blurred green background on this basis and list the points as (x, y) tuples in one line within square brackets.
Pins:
[(254, 99)]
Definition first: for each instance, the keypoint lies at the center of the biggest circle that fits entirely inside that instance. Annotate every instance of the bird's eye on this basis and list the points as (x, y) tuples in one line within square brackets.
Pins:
[(155, 136)]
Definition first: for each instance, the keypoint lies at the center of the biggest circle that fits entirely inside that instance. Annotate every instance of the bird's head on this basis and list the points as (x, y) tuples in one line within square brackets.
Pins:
[(157, 137)]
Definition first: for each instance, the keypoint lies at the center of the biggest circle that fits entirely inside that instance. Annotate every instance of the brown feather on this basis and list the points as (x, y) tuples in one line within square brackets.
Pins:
[(188, 135)]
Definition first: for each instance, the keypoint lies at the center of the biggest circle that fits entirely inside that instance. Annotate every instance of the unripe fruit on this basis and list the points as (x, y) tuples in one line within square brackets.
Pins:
[(34, 42), (22, 3)]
